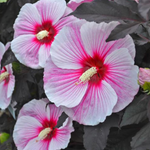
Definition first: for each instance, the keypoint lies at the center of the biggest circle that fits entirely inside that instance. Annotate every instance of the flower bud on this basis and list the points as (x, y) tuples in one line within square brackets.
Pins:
[(144, 79)]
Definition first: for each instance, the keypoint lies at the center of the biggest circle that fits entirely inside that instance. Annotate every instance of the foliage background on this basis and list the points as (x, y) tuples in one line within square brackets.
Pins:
[(126, 130)]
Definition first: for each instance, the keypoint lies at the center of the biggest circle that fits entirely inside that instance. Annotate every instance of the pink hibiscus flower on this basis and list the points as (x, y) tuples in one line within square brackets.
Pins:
[(7, 81), (35, 128), (35, 30), (89, 76)]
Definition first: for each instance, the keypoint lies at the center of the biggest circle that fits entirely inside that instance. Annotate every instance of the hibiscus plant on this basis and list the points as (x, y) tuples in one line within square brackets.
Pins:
[(75, 74)]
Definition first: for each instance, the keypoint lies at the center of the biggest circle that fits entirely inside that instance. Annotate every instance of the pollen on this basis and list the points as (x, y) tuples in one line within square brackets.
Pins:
[(3, 76), (87, 75), (44, 133), (42, 34)]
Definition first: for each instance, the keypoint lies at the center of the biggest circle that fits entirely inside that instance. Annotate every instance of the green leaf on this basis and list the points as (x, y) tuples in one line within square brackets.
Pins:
[(3, 1), (4, 137), (136, 112)]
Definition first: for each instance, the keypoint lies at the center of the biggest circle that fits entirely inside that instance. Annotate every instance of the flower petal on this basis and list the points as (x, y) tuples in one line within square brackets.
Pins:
[(26, 129), (126, 42), (37, 145), (94, 37), (2, 50), (44, 53), (11, 86), (67, 51), (36, 109), (26, 50), (62, 137), (64, 22), (51, 10), (59, 85), (73, 4), (97, 103), (27, 20), (4, 102), (55, 112), (122, 75)]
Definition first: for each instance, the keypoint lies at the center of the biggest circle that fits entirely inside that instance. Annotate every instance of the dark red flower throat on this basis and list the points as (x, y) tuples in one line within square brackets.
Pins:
[(97, 62), (51, 32)]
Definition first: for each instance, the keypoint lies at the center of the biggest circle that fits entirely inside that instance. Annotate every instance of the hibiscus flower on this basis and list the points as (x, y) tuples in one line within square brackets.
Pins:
[(91, 77), (35, 30), (35, 128), (7, 81)]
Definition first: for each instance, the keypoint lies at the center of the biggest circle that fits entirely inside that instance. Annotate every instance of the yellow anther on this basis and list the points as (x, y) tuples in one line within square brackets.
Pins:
[(87, 75), (42, 34), (3, 76), (44, 133)]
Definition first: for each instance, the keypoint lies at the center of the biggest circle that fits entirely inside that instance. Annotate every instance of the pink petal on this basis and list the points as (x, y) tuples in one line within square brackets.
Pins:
[(27, 19), (64, 22), (126, 42), (36, 109), (34, 145), (26, 50), (11, 85), (55, 112), (122, 75), (73, 4), (59, 85), (7, 45), (67, 51), (51, 10), (4, 101), (2, 50), (97, 103), (44, 53), (94, 37), (63, 136), (67, 11), (26, 129), (9, 69)]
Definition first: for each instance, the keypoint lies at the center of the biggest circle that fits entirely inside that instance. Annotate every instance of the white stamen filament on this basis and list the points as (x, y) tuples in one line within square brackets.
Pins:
[(3, 76), (87, 75), (42, 34), (44, 133)]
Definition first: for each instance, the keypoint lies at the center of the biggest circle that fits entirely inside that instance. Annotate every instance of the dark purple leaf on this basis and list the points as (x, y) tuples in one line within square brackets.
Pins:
[(122, 30), (7, 18), (140, 53), (148, 110), (22, 2), (95, 137), (144, 8), (61, 120), (141, 141), (8, 58), (104, 10), (131, 4), (136, 112), (119, 139)]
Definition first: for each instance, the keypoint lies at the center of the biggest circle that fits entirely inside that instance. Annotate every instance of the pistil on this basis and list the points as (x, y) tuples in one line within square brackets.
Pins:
[(85, 77), (44, 133), (3, 76), (42, 34)]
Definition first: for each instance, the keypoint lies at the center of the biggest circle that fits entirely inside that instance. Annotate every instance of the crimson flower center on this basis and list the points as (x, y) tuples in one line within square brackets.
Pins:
[(94, 70), (45, 33)]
